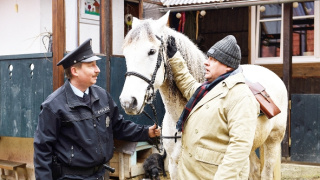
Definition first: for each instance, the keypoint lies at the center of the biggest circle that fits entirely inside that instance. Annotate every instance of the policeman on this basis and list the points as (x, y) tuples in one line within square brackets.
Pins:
[(78, 122)]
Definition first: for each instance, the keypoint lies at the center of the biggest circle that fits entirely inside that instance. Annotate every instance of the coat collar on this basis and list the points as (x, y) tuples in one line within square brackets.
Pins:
[(73, 100), (222, 89)]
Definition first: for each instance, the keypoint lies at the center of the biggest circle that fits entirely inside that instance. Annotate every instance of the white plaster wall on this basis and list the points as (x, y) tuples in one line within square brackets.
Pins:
[(71, 24), (90, 31), (45, 23), (118, 26), (21, 32), (24, 32), (89, 28)]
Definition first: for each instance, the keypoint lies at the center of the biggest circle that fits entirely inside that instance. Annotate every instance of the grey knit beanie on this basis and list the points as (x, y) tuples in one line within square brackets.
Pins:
[(226, 51)]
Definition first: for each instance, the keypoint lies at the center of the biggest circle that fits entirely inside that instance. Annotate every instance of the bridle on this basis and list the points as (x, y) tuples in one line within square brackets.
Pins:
[(150, 94)]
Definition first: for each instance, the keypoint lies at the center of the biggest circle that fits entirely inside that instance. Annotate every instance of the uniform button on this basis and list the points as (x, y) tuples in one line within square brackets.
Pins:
[(196, 130), (190, 154), (207, 106), (94, 125), (72, 155)]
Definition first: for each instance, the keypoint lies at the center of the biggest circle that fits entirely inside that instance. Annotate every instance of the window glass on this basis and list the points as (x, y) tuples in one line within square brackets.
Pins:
[(303, 29), (270, 39), (271, 11), (303, 8), (270, 30), (270, 23)]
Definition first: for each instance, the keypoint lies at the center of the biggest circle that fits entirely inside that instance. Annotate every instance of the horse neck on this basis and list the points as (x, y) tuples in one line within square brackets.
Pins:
[(173, 102), (193, 56)]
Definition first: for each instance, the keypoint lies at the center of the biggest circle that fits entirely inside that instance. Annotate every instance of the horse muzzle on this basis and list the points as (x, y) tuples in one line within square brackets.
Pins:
[(130, 105)]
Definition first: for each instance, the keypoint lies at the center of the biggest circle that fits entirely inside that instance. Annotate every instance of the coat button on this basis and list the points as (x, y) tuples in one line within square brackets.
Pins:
[(190, 154), (196, 130), (94, 125), (207, 106)]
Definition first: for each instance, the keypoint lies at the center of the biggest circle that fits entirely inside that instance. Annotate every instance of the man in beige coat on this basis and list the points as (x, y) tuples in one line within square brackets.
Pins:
[(219, 120)]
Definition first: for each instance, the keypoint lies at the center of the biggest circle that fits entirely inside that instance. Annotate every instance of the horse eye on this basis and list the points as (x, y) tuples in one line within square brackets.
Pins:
[(151, 52)]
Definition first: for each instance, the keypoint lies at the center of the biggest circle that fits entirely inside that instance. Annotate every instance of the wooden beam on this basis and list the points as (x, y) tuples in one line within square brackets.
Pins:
[(106, 37), (287, 67), (306, 70), (58, 41), (141, 9)]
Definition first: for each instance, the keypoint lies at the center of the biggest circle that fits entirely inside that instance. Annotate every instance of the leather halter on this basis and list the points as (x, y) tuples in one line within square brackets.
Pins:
[(150, 94)]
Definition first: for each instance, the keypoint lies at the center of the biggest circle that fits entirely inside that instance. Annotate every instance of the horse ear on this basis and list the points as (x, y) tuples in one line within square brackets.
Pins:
[(164, 20), (135, 22)]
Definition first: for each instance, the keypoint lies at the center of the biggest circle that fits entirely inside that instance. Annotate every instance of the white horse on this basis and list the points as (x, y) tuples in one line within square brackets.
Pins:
[(141, 49)]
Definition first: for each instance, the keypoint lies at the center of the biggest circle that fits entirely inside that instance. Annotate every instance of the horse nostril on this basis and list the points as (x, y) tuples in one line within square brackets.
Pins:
[(134, 102)]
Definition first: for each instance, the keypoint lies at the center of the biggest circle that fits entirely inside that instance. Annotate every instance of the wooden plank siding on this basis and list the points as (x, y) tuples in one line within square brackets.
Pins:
[(212, 28), (23, 89), (298, 70)]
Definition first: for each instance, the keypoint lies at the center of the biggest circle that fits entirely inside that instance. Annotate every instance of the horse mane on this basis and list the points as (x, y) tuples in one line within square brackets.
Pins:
[(141, 31), (193, 56), (190, 52)]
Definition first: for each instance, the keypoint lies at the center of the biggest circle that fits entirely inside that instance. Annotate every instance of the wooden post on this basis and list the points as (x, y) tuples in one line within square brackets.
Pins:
[(58, 41), (106, 35), (287, 67), (141, 9)]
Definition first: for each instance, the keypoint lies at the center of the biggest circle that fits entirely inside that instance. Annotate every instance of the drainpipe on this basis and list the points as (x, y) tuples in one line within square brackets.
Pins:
[(225, 5)]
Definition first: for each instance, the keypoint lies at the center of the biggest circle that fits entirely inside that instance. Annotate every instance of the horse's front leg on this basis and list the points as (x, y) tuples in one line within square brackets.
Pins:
[(254, 166), (173, 150), (173, 161)]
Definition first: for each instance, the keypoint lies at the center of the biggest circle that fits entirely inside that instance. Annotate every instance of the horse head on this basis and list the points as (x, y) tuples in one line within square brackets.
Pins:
[(144, 53)]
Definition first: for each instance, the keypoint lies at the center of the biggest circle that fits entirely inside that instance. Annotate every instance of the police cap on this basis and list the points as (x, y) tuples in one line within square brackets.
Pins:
[(83, 53)]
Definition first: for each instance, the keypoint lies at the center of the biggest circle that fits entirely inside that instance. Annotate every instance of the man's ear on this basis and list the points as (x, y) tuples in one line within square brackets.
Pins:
[(74, 71), (229, 69)]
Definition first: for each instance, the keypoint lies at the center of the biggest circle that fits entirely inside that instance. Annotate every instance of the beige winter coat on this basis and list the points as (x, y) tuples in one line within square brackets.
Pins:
[(219, 132)]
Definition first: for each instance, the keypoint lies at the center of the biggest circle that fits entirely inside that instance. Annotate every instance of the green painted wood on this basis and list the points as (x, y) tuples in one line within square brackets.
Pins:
[(118, 70), (305, 127), (22, 91), (27, 56), (102, 82)]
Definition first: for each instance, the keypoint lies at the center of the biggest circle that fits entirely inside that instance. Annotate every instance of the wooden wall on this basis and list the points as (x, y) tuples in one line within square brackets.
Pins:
[(305, 77), (217, 24)]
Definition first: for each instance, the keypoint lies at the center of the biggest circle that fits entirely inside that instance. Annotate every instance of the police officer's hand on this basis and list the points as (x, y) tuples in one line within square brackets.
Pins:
[(154, 131), (171, 47)]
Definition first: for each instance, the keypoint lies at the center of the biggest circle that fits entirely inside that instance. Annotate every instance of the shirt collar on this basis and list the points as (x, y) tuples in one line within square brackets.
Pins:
[(78, 92)]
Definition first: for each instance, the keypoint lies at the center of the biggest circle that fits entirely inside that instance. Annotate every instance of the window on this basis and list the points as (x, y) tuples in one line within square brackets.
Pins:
[(270, 30), (267, 30)]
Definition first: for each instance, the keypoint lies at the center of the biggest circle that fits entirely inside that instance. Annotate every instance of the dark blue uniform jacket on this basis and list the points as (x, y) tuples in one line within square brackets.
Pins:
[(78, 135)]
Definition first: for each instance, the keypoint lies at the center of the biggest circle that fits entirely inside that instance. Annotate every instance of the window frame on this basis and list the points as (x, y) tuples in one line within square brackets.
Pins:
[(255, 36)]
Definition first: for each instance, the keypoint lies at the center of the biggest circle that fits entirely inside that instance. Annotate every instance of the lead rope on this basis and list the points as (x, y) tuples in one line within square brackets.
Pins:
[(156, 140)]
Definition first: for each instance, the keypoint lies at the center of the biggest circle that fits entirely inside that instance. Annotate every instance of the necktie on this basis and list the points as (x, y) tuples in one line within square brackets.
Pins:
[(86, 98)]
